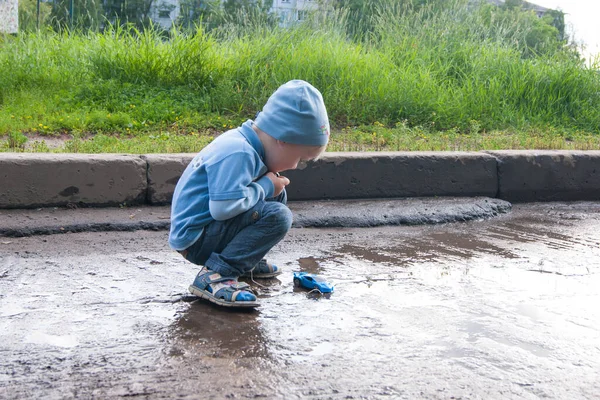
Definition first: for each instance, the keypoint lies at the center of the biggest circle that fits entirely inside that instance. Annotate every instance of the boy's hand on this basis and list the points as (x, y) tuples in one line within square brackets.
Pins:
[(279, 182)]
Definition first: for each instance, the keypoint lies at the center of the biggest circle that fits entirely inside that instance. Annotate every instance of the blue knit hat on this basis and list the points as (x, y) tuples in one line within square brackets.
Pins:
[(296, 114)]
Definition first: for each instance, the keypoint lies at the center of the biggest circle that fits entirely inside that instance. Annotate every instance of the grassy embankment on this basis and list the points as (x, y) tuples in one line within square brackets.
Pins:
[(457, 80)]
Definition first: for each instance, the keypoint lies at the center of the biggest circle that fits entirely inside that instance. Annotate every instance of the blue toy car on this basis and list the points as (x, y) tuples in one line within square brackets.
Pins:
[(312, 281)]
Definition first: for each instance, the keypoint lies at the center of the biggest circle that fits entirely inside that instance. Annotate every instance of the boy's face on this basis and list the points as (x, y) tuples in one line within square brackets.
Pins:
[(285, 156)]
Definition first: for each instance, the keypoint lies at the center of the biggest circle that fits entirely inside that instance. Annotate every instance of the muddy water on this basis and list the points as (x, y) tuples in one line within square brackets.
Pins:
[(502, 308)]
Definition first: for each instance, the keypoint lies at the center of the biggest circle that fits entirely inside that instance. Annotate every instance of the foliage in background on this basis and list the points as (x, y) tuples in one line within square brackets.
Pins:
[(199, 12), (361, 15), (133, 12), (80, 14), (544, 35), (28, 15)]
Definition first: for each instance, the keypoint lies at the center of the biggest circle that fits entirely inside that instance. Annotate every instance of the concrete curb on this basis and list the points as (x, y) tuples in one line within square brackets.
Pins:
[(164, 171), (397, 174), (30, 180), (41, 180), (526, 176)]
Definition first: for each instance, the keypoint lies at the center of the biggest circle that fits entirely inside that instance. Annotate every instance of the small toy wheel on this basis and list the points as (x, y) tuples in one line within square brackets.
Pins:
[(296, 282)]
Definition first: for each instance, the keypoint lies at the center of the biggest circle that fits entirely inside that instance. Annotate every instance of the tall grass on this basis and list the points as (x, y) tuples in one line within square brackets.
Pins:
[(458, 68), (144, 57)]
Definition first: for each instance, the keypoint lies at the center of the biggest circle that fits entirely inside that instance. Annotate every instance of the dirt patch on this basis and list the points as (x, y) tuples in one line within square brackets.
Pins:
[(52, 142)]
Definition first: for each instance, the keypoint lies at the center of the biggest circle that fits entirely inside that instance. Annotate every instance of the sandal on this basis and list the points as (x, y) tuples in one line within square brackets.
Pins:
[(223, 291), (263, 270)]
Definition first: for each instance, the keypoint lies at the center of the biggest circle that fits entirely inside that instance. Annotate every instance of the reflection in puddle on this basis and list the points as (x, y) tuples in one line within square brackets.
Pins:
[(319, 350), (370, 254), (310, 264), (537, 233), (434, 246), (66, 341), (477, 332), (456, 245), (215, 331)]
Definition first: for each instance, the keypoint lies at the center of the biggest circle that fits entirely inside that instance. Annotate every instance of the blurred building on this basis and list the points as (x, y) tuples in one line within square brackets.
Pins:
[(289, 12), (292, 11), (165, 12), (539, 10), (9, 16)]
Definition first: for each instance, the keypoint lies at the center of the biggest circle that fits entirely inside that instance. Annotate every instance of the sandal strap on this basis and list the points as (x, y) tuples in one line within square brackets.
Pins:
[(207, 277), (224, 291), (227, 293), (240, 286)]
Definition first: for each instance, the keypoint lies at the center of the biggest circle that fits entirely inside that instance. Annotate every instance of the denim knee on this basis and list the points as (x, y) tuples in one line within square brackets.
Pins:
[(280, 216)]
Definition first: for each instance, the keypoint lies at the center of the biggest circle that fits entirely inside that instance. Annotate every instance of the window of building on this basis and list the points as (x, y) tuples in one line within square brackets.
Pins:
[(164, 9), (284, 16)]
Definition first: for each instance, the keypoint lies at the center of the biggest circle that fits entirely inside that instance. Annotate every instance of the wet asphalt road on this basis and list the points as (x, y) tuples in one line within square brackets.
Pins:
[(499, 308)]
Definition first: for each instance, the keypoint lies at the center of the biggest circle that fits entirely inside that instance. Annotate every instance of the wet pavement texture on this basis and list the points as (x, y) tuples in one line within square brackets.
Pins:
[(498, 308)]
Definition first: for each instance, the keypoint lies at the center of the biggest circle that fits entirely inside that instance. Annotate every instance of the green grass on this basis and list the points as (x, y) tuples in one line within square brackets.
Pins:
[(402, 138), (464, 79), (361, 138)]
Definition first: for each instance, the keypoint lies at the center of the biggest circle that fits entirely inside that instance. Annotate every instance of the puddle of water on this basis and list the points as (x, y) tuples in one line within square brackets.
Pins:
[(310, 264), (502, 308), (223, 332), (66, 341)]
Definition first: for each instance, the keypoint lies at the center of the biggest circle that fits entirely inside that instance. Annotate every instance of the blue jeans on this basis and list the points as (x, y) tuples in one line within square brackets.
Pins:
[(235, 246)]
